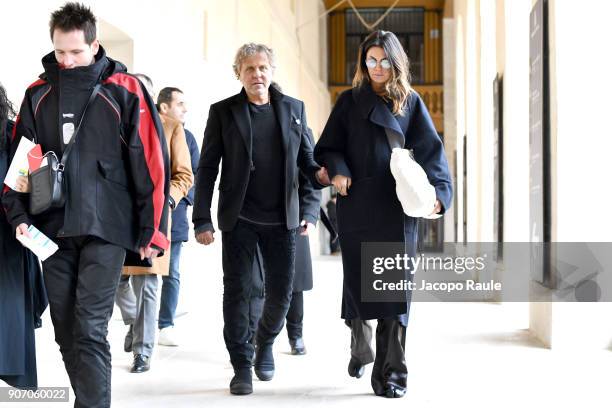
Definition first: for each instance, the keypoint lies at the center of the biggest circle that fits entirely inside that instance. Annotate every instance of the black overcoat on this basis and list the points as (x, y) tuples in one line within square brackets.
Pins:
[(22, 302), (354, 144)]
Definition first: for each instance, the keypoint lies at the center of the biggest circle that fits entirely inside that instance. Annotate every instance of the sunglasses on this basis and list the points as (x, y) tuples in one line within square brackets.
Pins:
[(372, 63)]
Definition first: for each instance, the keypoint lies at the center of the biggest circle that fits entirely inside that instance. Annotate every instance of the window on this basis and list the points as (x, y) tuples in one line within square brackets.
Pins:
[(406, 23)]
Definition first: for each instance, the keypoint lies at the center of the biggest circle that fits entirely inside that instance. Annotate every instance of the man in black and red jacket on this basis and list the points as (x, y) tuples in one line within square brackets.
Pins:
[(117, 185)]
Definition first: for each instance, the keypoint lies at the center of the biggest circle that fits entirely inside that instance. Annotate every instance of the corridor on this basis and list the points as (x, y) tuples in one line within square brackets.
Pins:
[(458, 355)]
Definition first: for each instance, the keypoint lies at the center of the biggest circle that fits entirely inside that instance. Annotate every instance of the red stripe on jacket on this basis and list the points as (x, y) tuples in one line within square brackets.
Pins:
[(32, 85), (152, 151), (37, 82), (14, 131)]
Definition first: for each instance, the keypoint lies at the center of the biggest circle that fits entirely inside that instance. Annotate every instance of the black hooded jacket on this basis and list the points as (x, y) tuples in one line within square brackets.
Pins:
[(117, 173)]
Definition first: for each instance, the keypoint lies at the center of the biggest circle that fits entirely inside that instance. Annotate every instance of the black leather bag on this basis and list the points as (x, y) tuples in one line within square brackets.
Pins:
[(47, 187)]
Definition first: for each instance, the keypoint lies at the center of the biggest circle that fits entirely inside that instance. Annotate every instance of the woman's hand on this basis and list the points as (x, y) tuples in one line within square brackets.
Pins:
[(306, 228), (342, 184), (437, 208)]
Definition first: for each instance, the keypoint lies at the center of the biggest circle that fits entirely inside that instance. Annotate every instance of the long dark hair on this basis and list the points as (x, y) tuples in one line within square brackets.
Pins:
[(398, 86), (6, 112)]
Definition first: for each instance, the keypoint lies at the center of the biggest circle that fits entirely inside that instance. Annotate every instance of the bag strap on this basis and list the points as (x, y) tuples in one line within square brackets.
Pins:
[(394, 139), (62, 164)]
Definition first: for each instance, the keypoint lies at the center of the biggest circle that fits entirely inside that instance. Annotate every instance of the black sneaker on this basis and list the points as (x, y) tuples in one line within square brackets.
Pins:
[(141, 364), (242, 382)]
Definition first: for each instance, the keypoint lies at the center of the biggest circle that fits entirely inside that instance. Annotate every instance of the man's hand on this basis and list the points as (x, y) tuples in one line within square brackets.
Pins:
[(437, 208), (148, 252), (323, 176), (306, 228), (342, 184), (22, 229), (205, 237), (22, 185)]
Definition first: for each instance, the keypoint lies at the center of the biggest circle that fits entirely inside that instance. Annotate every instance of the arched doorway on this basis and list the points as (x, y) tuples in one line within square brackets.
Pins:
[(118, 45)]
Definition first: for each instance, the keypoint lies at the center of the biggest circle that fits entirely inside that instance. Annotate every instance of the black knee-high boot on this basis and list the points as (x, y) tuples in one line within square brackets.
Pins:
[(390, 373)]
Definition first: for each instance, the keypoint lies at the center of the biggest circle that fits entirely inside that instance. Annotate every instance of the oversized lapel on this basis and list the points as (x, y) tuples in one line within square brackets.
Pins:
[(374, 109), (242, 117), (282, 108)]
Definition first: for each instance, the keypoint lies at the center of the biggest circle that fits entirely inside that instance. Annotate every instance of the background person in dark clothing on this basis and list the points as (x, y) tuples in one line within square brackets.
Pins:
[(22, 294), (116, 188), (261, 135)]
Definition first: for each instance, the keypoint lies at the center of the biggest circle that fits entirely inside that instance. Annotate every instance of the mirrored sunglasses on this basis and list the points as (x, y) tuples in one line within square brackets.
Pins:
[(384, 63)]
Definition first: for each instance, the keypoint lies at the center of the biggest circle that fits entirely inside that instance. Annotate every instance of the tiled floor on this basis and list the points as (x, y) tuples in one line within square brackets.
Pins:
[(459, 355)]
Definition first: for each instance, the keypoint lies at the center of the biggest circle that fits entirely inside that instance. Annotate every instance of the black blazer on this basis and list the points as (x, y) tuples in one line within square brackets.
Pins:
[(228, 137)]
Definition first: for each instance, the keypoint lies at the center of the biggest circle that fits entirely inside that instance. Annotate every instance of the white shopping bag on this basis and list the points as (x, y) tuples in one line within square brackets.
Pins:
[(415, 193)]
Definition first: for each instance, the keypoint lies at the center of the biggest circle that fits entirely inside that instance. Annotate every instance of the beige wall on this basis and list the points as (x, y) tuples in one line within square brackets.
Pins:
[(580, 85), (172, 45), (580, 153), (490, 37), (493, 37)]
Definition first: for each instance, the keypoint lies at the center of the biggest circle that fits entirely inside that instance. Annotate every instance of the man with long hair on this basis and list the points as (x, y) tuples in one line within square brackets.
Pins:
[(261, 136)]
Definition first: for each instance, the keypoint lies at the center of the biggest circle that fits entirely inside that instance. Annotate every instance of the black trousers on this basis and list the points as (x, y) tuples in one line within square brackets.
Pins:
[(389, 361), (295, 314), (277, 246), (81, 279)]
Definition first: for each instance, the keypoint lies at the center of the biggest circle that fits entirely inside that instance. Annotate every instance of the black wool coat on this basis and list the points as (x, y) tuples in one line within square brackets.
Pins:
[(354, 144), (22, 299)]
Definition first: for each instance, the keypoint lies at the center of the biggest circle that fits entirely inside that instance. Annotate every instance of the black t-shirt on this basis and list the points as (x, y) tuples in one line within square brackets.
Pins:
[(264, 201)]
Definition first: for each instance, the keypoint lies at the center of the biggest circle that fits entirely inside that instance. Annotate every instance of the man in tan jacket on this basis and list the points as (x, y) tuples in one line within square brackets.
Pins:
[(138, 301)]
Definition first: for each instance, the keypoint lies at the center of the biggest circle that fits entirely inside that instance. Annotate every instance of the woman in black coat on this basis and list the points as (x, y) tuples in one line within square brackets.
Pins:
[(22, 294), (356, 153)]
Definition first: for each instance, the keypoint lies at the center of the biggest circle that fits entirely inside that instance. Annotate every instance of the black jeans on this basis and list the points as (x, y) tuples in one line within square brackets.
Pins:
[(277, 246), (295, 314), (81, 279)]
